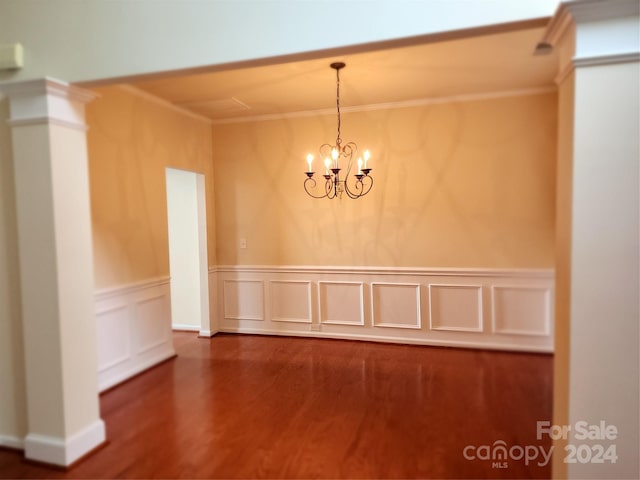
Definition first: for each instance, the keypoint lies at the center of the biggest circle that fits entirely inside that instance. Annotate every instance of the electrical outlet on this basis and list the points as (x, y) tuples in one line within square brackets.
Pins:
[(243, 243)]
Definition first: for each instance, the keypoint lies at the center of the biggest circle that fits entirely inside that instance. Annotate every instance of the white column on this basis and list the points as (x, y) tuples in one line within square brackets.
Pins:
[(598, 248), (56, 269)]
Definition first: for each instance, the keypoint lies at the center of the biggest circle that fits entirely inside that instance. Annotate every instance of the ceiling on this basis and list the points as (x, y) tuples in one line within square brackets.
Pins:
[(490, 63)]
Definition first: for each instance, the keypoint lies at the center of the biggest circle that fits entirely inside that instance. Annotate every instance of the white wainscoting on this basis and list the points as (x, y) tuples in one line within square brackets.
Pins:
[(133, 326), (474, 308)]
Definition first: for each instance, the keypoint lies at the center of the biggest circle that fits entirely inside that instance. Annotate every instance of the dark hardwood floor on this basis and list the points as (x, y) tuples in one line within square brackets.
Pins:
[(242, 406)]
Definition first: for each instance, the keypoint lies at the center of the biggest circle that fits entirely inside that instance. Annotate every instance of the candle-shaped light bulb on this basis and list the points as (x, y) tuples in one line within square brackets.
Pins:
[(327, 164), (309, 161), (367, 155), (359, 166), (334, 155)]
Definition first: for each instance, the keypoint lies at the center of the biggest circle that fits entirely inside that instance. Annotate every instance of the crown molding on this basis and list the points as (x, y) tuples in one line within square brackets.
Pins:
[(20, 122), (581, 11), (46, 100), (420, 102), (564, 72), (595, 61), (47, 86), (607, 59), (558, 25), (597, 10), (162, 102)]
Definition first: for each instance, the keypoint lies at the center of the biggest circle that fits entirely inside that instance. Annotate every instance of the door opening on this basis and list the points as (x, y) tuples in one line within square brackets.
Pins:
[(188, 263)]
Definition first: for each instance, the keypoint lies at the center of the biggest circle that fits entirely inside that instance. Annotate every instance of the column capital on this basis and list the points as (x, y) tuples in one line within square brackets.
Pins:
[(46, 100), (594, 32)]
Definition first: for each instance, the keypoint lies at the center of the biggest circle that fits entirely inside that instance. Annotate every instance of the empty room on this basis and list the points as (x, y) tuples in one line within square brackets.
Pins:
[(246, 240)]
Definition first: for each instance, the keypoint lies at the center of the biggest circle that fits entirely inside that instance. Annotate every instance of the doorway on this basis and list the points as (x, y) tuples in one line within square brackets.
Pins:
[(188, 263)]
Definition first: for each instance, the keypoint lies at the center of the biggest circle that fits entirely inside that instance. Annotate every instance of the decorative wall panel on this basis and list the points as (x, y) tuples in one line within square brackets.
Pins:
[(396, 305), (290, 301), (133, 330), (243, 299), (471, 308), (341, 303), (521, 310), (455, 307)]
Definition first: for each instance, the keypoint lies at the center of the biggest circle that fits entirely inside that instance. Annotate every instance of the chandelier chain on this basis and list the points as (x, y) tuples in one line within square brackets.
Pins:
[(338, 140)]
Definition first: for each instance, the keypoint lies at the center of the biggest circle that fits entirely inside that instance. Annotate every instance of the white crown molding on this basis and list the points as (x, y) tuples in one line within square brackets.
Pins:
[(597, 10), (48, 86), (558, 25), (606, 59), (162, 102), (420, 102), (20, 122), (582, 11), (595, 61), (46, 100), (564, 72)]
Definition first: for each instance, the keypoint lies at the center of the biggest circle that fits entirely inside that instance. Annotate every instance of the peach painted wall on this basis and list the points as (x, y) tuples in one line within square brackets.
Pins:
[(460, 184), (131, 140)]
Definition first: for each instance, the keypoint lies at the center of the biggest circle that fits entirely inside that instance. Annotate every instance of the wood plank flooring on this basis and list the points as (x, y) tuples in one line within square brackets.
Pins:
[(242, 406)]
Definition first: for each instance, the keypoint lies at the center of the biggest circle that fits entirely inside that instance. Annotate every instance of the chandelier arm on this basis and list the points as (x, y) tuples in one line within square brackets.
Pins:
[(367, 184), (325, 150), (348, 151), (310, 181), (361, 187), (355, 191)]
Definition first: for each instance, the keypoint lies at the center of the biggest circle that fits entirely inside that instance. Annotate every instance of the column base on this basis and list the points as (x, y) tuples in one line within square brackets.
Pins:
[(63, 452)]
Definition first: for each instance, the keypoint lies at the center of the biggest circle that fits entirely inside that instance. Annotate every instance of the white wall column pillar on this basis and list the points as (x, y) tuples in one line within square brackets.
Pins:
[(56, 269), (596, 377)]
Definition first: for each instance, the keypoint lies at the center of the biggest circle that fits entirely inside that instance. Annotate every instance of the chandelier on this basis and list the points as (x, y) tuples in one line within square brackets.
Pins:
[(355, 186)]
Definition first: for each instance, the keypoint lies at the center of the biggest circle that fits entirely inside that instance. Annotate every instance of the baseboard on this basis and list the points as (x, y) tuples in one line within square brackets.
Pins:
[(206, 333), (185, 327), (63, 452), (9, 441), (390, 339), (125, 375)]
